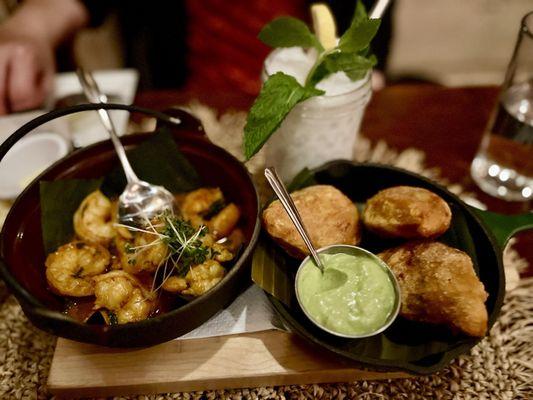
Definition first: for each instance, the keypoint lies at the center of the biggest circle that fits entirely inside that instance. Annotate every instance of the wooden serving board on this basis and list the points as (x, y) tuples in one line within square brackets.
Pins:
[(267, 358)]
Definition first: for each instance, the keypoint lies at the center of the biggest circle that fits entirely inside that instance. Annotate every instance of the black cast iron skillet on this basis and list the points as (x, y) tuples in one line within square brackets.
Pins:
[(21, 247), (409, 346)]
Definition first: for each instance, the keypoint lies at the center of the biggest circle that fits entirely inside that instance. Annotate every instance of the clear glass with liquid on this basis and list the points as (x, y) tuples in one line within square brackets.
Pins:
[(503, 166)]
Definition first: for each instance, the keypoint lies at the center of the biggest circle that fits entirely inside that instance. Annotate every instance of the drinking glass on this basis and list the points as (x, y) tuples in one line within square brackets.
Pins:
[(503, 165), (318, 130)]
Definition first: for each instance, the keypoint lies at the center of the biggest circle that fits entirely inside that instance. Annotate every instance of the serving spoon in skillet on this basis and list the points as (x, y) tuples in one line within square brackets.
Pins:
[(140, 201)]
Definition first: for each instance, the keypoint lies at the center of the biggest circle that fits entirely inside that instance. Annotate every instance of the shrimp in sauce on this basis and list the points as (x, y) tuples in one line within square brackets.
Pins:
[(123, 296), (71, 269), (143, 252), (181, 254), (93, 219)]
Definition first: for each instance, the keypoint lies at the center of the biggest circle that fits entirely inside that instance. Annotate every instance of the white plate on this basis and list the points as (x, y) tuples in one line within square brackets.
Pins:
[(27, 159), (51, 141)]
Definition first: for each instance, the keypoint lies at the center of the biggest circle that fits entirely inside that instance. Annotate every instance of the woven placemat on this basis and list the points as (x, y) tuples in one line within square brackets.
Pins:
[(500, 367)]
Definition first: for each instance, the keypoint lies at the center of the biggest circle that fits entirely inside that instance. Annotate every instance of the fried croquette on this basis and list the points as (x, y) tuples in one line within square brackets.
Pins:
[(328, 215), (407, 212), (439, 285)]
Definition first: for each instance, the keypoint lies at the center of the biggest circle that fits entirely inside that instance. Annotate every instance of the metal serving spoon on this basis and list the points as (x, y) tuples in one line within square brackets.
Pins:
[(289, 206), (140, 201), (335, 277)]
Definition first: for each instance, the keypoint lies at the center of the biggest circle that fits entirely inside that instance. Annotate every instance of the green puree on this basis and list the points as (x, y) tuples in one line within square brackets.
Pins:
[(354, 296)]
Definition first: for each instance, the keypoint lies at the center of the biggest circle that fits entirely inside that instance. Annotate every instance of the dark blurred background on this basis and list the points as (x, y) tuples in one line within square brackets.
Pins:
[(453, 42), (212, 43)]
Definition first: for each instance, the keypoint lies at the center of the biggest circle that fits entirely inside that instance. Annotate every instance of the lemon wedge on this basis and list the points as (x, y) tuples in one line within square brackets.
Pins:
[(324, 25)]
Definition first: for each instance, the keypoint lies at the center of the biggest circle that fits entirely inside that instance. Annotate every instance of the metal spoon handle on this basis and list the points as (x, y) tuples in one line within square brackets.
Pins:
[(289, 206), (94, 95)]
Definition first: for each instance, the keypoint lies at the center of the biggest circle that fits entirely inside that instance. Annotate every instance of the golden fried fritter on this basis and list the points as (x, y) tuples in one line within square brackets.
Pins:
[(439, 285), (328, 215), (407, 212)]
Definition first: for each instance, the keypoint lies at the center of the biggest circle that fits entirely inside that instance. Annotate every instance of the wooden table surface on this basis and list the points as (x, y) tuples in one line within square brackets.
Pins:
[(446, 123)]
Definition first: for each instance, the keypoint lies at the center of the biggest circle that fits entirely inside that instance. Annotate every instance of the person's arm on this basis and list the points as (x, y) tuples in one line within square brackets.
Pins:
[(28, 40)]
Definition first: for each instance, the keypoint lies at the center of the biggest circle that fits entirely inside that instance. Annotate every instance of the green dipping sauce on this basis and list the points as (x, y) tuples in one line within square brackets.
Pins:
[(354, 296)]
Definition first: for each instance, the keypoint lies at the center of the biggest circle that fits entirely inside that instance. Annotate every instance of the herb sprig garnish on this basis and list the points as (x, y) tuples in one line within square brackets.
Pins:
[(282, 92), (185, 247)]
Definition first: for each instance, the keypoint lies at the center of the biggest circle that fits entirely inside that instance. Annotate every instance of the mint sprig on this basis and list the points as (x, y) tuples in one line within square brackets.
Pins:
[(279, 95), (288, 32), (354, 65), (358, 36), (281, 92)]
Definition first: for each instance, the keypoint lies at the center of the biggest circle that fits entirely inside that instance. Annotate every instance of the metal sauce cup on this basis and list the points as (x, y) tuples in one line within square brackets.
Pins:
[(356, 251)]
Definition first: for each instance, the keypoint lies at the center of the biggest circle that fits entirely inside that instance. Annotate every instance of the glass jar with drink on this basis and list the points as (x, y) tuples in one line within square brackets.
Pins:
[(315, 90), (321, 128)]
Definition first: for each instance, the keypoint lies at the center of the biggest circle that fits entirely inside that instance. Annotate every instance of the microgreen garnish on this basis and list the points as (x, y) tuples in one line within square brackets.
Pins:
[(281, 93), (128, 248), (185, 248), (183, 240)]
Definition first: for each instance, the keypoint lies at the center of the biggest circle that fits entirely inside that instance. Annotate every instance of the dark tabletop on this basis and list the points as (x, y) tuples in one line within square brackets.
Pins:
[(446, 123)]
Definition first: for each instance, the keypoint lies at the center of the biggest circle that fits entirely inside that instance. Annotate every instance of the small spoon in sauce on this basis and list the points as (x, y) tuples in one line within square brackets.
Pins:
[(334, 277)]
